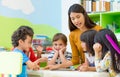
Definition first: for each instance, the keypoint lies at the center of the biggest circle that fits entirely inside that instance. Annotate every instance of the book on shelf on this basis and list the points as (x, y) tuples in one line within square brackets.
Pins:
[(101, 5), (94, 6), (107, 6)]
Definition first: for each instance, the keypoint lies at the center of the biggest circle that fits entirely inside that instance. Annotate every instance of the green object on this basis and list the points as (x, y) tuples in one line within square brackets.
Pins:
[(43, 64), (76, 66)]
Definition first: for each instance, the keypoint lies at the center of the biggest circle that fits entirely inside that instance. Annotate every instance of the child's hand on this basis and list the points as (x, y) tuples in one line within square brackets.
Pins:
[(84, 64), (54, 50), (83, 67), (48, 67), (36, 62), (37, 67), (62, 50), (97, 47), (51, 67), (39, 49)]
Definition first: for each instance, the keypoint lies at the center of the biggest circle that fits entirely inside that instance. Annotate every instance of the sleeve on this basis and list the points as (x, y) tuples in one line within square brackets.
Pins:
[(75, 55), (103, 65), (25, 58), (50, 56), (32, 55), (68, 55)]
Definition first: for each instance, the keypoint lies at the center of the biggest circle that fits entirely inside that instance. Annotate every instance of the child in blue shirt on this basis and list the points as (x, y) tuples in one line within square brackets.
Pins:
[(21, 40)]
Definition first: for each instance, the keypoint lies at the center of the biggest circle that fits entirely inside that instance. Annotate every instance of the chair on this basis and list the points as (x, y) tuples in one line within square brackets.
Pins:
[(10, 63)]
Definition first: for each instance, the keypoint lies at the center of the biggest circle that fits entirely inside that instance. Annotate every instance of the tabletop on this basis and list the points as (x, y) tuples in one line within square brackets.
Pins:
[(65, 73)]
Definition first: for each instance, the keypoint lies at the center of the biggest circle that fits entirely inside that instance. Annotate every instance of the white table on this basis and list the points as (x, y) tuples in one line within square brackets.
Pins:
[(59, 73)]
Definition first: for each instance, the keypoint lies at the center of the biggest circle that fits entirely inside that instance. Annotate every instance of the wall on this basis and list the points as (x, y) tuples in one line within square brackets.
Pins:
[(65, 6), (44, 16)]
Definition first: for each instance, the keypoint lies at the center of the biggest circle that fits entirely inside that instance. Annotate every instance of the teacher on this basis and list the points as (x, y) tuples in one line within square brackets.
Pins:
[(79, 22)]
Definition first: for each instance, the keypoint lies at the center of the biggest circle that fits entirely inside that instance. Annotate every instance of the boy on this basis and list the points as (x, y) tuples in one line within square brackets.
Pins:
[(59, 54), (21, 40)]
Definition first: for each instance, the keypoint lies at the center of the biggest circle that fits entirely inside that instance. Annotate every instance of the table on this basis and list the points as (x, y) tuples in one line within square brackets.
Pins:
[(60, 73)]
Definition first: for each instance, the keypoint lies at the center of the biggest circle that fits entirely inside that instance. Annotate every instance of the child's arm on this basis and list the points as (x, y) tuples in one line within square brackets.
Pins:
[(87, 68), (33, 65), (43, 59), (101, 65), (91, 69), (57, 66), (52, 58), (62, 56), (32, 55), (39, 51), (84, 64)]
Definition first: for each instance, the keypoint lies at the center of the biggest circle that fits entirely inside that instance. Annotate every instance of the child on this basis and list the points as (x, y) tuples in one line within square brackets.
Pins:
[(21, 40), (107, 52), (87, 41), (59, 54), (31, 53)]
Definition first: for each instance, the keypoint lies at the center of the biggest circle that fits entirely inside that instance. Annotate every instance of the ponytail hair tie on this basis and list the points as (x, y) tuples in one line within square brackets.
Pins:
[(114, 45)]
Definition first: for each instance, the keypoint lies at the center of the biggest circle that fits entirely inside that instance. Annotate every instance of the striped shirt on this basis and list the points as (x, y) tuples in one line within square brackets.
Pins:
[(67, 55)]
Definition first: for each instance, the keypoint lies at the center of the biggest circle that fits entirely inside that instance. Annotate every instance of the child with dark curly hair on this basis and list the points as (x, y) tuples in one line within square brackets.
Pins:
[(21, 40)]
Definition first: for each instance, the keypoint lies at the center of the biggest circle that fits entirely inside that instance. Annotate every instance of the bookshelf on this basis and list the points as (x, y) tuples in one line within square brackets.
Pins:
[(41, 40), (101, 5), (105, 13), (95, 17), (108, 20)]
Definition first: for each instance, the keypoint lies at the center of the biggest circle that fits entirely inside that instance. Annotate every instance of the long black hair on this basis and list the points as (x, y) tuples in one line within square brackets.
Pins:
[(100, 37), (88, 38), (77, 8)]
